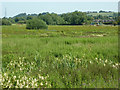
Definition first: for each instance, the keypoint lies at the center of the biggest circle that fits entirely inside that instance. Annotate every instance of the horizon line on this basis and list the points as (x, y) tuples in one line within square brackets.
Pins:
[(61, 13)]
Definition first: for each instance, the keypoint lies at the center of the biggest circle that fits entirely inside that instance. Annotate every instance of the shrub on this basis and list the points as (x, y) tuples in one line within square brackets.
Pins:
[(21, 22), (6, 22), (36, 24)]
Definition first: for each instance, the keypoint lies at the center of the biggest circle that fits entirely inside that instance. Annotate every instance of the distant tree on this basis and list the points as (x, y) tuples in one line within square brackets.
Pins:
[(36, 23), (11, 20), (22, 22), (19, 19), (16, 19), (32, 15), (76, 18), (21, 15), (47, 18), (29, 17), (73, 18), (6, 22), (51, 19), (102, 11)]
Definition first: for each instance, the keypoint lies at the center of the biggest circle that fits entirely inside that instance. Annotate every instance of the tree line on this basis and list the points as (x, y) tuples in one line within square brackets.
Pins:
[(72, 18)]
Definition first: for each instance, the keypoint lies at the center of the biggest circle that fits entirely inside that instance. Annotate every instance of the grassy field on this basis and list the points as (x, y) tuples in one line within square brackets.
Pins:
[(60, 57)]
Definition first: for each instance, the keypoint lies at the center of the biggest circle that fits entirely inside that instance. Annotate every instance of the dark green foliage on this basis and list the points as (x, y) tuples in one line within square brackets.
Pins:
[(24, 15), (21, 18), (72, 18), (6, 22), (21, 15), (11, 20), (29, 17), (108, 23), (21, 22), (36, 24), (76, 18), (0, 21), (51, 19), (17, 19)]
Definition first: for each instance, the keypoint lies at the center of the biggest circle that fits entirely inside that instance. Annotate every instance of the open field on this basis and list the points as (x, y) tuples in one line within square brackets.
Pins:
[(60, 57)]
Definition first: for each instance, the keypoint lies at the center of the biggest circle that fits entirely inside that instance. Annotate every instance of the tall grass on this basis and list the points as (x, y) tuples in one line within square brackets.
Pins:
[(60, 57)]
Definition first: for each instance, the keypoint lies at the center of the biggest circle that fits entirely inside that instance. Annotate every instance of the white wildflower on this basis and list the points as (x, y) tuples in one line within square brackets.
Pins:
[(19, 57), (11, 64), (5, 74), (90, 62), (25, 77), (42, 78), (36, 85), (21, 86), (41, 83), (16, 86), (50, 85), (113, 65), (14, 77), (104, 64), (17, 82), (35, 80), (106, 61), (116, 64), (27, 81), (20, 69), (27, 86), (23, 82), (8, 81), (19, 77)]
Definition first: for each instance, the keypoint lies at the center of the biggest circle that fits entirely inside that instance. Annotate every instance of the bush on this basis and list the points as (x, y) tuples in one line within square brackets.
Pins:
[(21, 22), (6, 22), (36, 24), (0, 21)]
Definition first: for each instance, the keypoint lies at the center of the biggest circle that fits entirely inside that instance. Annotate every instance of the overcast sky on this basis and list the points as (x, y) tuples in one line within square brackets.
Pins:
[(14, 7)]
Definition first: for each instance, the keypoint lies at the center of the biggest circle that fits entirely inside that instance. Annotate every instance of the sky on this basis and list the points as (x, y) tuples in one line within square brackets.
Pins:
[(33, 6), (59, 0)]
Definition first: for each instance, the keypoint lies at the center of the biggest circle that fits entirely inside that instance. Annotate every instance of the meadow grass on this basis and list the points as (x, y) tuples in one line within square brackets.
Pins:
[(60, 57)]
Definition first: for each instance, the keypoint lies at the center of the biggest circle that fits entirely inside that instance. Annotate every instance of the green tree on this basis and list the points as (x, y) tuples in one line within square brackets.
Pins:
[(36, 23), (17, 19), (51, 19), (11, 20), (21, 22), (6, 22), (29, 17), (76, 18)]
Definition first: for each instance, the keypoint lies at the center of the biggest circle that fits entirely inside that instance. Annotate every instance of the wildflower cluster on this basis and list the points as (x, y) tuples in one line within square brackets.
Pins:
[(74, 62), (17, 75)]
